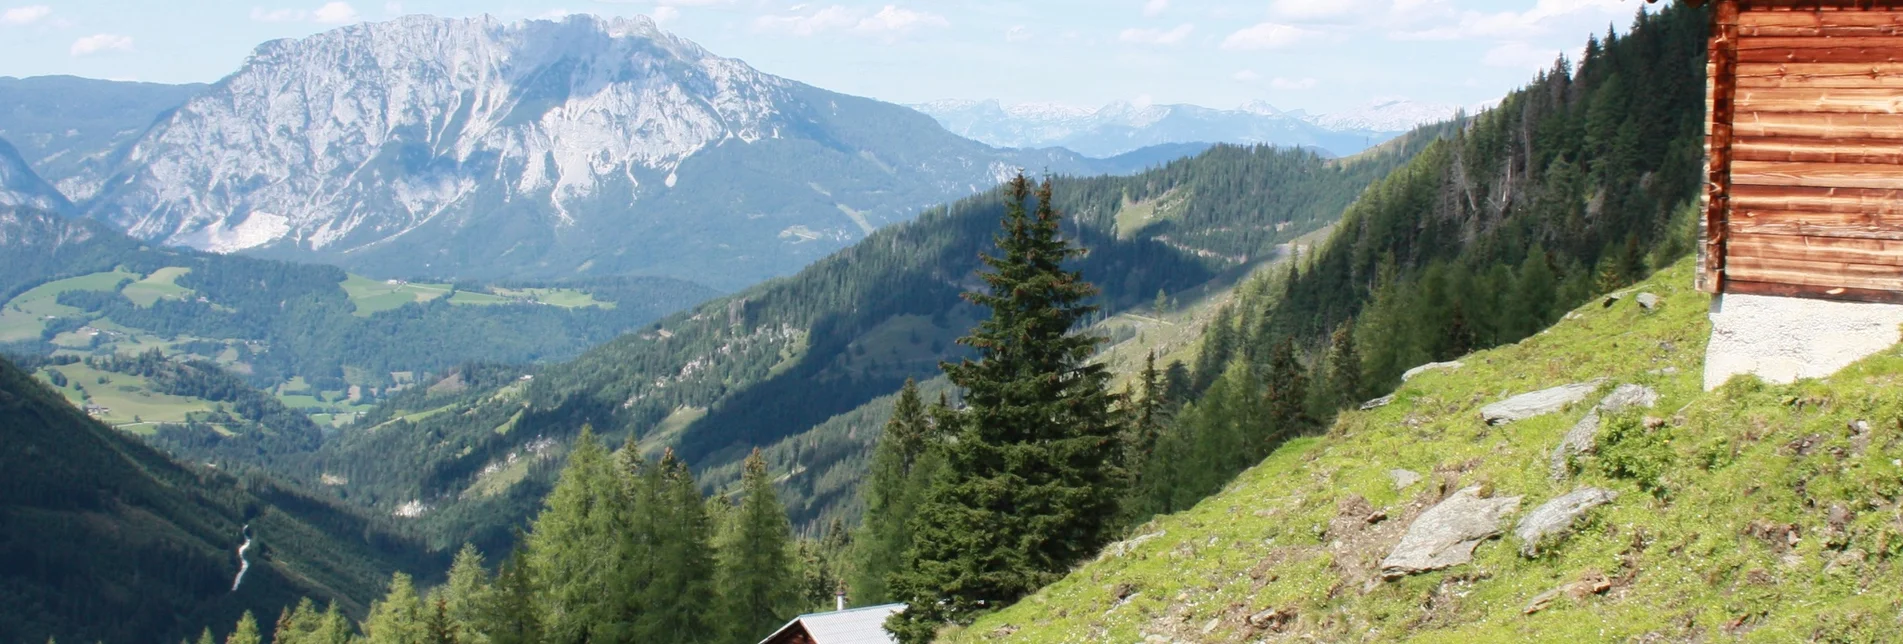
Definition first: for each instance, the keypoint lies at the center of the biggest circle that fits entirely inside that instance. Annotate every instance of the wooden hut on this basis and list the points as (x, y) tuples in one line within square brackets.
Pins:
[(845, 626), (1804, 150)]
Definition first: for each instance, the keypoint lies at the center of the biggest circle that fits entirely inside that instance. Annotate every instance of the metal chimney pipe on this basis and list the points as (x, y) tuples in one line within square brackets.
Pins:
[(839, 600)]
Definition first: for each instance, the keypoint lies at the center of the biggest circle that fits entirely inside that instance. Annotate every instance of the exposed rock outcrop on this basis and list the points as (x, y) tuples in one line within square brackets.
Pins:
[(1553, 520), (1446, 534), (1538, 403)]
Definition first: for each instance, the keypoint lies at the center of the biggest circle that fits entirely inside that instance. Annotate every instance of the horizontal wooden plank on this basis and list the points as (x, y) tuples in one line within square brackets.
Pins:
[(1813, 248), (1810, 23), (1889, 53), (1856, 201), (1827, 274), (1824, 126), (1789, 149), (1827, 175), (1837, 293), (1755, 43), (1819, 224), (1827, 100), (1841, 75)]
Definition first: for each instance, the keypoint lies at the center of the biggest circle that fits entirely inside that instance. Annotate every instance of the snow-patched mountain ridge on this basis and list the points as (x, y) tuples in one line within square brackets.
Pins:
[(489, 149), (1123, 126)]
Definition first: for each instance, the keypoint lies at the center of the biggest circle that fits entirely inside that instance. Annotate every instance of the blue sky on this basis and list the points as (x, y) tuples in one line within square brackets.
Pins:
[(1320, 55)]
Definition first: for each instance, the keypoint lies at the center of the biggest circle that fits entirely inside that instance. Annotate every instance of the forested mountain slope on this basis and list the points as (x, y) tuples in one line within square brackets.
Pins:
[(774, 361), (106, 539), (1755, 511), (78, 288), (1568, 188)]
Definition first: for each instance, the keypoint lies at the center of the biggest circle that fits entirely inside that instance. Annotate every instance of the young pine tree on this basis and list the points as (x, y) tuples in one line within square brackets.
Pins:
[(509, 614), (247, 631), (573, 548), (680, 592), (757, 580), (463, 594), (891, 498), (1343, 368), (437, 626), (399, 618), (1031, 483)]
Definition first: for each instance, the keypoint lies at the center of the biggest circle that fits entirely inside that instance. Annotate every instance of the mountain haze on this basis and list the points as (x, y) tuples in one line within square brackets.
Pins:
[(21, 186), (1120, 127), (475, 148), (68, 127)]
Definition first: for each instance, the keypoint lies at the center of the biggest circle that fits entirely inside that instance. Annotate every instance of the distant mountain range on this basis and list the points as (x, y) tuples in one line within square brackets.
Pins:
[(67, 127), (21, 186), (482, 149), (1121, 127)]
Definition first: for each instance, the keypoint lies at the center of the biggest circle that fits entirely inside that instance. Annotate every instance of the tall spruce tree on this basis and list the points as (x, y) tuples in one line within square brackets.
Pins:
[(1030, 485), (891, 498), (758, 584), (1343, 368), (678, 598)]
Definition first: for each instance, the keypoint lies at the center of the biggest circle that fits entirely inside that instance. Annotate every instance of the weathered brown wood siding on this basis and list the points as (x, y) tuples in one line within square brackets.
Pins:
[(1805, 146)]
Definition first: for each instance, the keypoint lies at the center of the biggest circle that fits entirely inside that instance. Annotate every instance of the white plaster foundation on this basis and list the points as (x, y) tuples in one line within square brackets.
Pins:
[(1782, 339)]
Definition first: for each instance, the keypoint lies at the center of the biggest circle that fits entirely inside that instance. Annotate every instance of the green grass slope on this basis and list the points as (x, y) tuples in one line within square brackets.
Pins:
[(1754, 512)]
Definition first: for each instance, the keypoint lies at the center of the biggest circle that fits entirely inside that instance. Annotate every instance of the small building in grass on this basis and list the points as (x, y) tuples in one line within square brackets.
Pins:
[(850, 626), (1802, 234)]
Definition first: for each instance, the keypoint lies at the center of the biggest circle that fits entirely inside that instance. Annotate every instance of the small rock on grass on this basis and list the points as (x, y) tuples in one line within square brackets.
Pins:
[(1431, 366), (1554, 519), (1648, 301), (1403, 478), (1538, 403), (1446, 534)]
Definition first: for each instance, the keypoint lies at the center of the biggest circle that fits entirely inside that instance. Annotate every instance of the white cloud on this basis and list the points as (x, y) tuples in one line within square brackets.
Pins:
[(1292, 84), (335, 13), (97, 43), (665, 13), (1154, 8), (888, 22), (1520, 55), (1246, 76), (827, 19), (25, 15), (892, 19), (1540, 19), (1157, 36), (1018, 33), (1322, 10), (1268, 35)]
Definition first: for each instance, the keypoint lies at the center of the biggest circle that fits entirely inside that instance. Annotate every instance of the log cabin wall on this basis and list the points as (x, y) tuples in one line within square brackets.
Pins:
[(1805, 150)]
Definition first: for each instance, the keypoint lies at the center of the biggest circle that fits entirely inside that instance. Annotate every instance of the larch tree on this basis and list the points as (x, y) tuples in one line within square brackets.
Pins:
[(680, 590), (398, 619), (573, 546), (246, 632), (463, 594), (1031, 483), (756, 576)]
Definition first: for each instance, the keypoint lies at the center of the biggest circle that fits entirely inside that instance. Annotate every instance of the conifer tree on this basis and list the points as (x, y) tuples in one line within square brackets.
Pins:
[(399, 618), (573, 546), (246, 632), (1030, 485), (510, 613), (463, 594), (891, 497), (756, 564), (437, 627), (205, 637), (1287, 392), (1343, 369), (680, 594)]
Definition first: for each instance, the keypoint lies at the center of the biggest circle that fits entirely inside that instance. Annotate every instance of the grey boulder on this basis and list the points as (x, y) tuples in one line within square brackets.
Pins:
[(1431, 366), (1584, 436), (1554, 519), (1446, 534), (1538, 403)]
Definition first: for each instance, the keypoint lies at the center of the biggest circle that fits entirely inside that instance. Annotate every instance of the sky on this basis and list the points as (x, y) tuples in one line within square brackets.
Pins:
[(1318, 55)]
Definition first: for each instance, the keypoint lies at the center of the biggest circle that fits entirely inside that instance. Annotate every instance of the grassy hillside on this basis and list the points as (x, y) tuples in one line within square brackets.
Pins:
[(106, 539), (1756, 511)]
